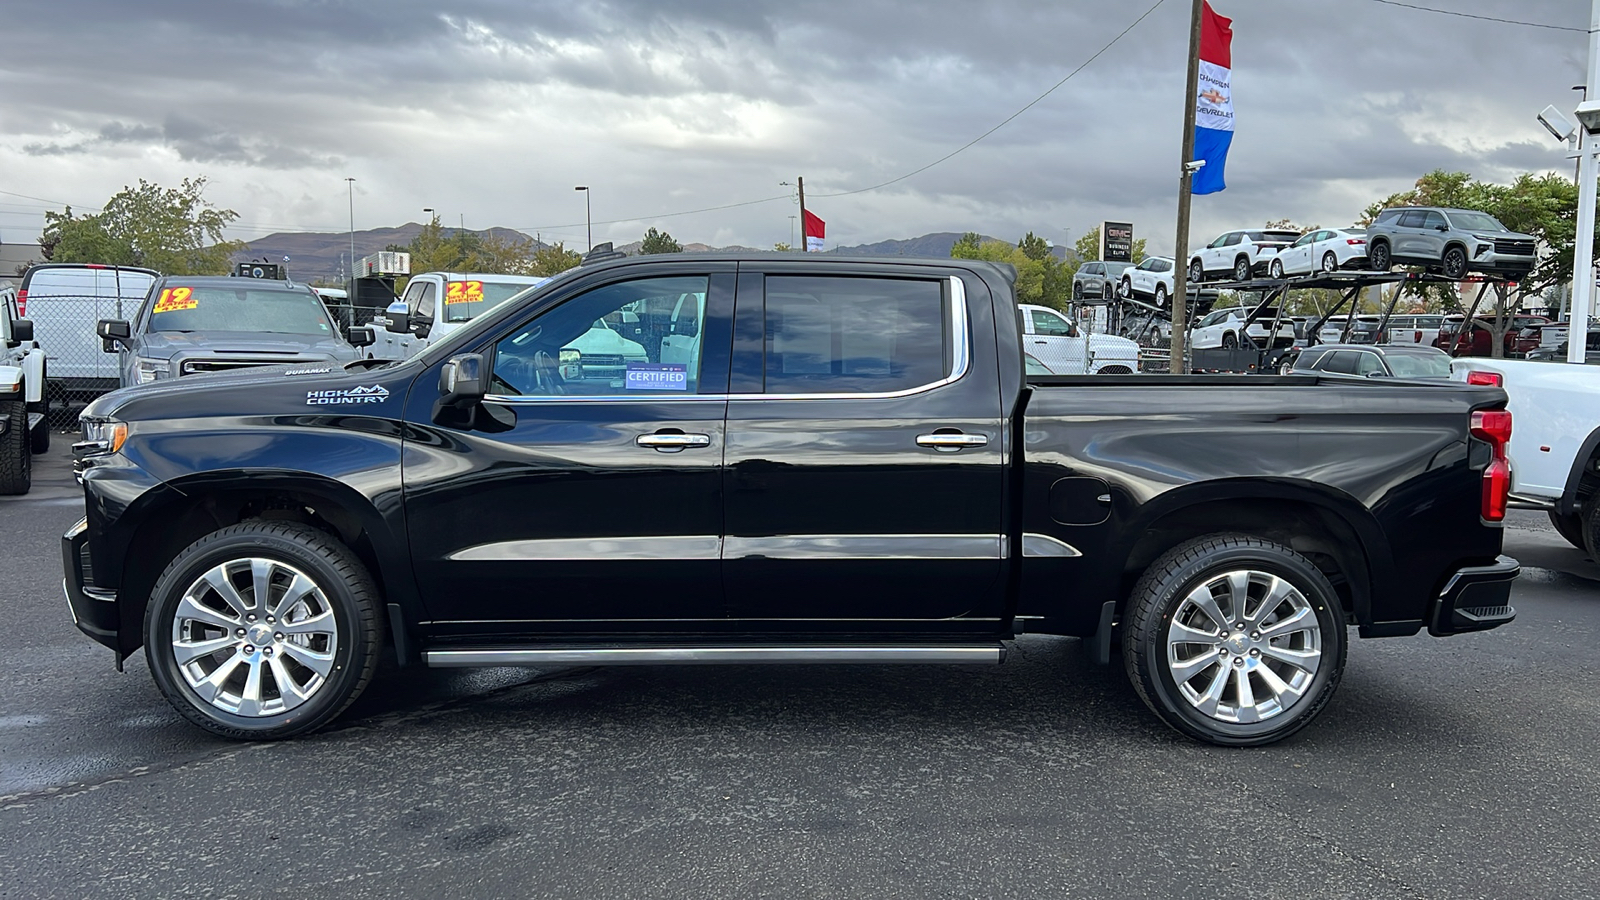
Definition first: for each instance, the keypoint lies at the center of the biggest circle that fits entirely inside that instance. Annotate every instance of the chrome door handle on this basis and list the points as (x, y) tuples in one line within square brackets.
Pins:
[(949, 443), (673, 441)]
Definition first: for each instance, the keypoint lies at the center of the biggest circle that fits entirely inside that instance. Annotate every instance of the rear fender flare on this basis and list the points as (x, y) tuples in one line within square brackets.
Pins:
[(1344, 508)]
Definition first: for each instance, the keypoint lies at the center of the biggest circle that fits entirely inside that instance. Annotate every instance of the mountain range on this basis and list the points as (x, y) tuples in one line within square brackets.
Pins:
[(323, 256)]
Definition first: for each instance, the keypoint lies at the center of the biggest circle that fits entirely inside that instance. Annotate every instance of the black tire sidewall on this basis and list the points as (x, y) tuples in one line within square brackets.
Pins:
[(1276, 269), (268, 542), (1261, 556), (1379, 258), (1571, 527), (1197, 273), (1241, 270), (1454, 271), (1330, 263), (1161, 295)]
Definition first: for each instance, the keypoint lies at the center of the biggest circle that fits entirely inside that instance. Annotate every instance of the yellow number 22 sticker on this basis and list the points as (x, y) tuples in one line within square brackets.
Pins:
[(174, 299), (463, 292)]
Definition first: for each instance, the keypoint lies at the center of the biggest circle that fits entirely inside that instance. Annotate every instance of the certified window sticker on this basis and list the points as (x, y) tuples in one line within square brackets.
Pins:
[(656, 377), (376, 393)]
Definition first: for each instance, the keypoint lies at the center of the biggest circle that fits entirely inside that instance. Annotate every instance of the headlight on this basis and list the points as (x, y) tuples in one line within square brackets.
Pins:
[(100, 436), (151, 369)]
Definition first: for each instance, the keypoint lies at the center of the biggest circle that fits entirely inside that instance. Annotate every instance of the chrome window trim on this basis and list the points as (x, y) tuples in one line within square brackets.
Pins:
[(1036, 546), (961, 338), (866, 546), (663, 547)]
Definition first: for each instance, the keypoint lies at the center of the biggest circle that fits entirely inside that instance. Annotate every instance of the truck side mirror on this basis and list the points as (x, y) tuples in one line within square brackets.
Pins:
[(399, 323), (464, 380), (111, 331), (361, 336), (21, 331)]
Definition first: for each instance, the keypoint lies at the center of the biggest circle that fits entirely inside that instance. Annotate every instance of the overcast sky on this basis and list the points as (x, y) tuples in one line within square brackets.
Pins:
[(492, 110)]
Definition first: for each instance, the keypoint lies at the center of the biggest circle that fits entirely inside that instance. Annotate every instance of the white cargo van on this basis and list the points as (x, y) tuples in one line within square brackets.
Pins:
[(64, 301)]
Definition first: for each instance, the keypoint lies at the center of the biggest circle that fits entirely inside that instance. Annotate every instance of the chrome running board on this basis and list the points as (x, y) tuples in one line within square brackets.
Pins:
[(653, 656)]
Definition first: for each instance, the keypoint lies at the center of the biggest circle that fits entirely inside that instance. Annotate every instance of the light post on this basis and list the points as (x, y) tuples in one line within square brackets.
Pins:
[(1588, 114), (350, 189), (588, 218)]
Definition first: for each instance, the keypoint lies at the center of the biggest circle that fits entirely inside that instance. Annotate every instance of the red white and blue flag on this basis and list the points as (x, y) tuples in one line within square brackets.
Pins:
[(1213, 109)]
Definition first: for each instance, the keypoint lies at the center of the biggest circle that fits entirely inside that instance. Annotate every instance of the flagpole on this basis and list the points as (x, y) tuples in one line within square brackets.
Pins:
[(1180, 253), (800, 183)]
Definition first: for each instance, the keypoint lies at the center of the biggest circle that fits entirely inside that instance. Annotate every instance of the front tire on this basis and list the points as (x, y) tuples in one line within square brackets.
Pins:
[(1455, 263), (1077, 293), (16, 460), (1275, 268), (263, 630), (1234, 640), (1197, 272), (1161, 296)]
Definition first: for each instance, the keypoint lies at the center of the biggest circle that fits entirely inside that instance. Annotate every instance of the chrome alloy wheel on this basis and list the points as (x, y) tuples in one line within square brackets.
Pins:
[(1244, 646), (254, 637)]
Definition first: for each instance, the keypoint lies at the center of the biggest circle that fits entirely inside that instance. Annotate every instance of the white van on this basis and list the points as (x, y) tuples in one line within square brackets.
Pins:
[(64, 301)]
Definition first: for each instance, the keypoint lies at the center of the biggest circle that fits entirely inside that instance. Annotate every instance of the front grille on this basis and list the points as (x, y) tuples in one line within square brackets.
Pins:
[(203, 366), (1513, 247)]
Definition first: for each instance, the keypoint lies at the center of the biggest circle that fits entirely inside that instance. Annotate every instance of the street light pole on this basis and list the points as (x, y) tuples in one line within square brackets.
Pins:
[(350, 189), (588, 217), (1583, 245)]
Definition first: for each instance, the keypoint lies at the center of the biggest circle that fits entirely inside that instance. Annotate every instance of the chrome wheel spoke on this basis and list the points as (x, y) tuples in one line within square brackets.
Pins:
[(1207, 702), (209, 686), (1246, 702), (320, 663), (1278, 591), (1182, 634), (322, 623), (218, 581), (1290, 623), (1304, 660), (1281, 690), (188, 651), (297, 591), (1202, 600), (1183, 670), (189, 610), (1238, 593), (250, 697), (288, 688), (261, 584)]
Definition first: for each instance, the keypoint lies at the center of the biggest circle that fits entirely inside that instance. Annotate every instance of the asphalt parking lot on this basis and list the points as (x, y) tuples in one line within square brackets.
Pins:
[(1450, 768)]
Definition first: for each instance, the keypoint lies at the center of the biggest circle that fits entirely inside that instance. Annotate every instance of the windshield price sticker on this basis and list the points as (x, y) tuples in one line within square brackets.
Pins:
[(174, 299), (463, 292), (656, 377)]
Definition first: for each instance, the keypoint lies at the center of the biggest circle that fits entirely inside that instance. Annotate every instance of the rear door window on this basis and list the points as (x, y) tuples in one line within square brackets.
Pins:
[(1341, 361), (1411, 218), (836, 335)]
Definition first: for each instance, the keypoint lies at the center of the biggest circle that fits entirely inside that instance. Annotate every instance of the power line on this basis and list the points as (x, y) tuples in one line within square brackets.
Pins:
[(687, 212), (42, 199), (1451, 12), (1007, 120)]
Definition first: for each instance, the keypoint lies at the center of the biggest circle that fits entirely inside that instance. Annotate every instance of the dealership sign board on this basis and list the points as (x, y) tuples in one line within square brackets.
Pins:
[(1116, 241)]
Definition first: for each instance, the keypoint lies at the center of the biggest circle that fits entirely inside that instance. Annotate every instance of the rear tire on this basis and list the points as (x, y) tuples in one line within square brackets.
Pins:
[(1569, 526), (249, 667), (1229, 341), (1209, 678), (1330, 263), (1378, 257), (1241, 269), (1591, 527), (16, 461)]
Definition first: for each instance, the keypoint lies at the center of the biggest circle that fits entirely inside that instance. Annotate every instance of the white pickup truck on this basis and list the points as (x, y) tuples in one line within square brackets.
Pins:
[(1058, 343), (1555, 448), (24, 410)]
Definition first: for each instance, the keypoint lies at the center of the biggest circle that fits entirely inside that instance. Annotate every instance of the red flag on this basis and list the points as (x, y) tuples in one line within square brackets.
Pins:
[(816, 230)]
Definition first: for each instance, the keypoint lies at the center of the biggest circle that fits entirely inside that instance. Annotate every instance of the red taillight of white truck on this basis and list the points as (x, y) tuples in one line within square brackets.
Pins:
[(1493, 427)]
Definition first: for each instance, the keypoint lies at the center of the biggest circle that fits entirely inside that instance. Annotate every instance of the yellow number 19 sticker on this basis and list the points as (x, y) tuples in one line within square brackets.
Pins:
[(174, 299), (463, 292)]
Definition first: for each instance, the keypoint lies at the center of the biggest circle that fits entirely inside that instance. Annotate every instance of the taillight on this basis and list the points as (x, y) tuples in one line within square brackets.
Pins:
[(1493, 426), (1492, 379), (22, 303), (1356, 242)]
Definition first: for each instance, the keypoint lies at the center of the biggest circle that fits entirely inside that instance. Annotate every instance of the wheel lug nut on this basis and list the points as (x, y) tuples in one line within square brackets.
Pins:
[(1238, 660), (238, 632), (1255, 652), (1223, 650), (1255, 635), (249, 649), (267, 651), (271, 620), (278, 636), (251, 617)]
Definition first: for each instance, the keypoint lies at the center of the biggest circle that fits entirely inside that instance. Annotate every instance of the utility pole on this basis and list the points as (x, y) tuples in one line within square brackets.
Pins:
[(350, 189), (800, 184), (1583, 246), (1180, 252)]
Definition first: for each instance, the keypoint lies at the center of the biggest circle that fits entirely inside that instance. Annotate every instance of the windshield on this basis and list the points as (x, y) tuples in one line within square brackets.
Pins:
[(187, 308), (1419, 365), (466, 300), (1476, 221)]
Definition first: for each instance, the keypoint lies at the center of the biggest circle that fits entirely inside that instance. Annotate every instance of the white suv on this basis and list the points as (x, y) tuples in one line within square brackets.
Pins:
[(1220, 329), (1237, 255), (1151, 281)]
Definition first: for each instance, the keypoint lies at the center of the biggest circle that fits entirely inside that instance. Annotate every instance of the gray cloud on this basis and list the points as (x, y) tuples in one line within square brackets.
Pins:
[(492, 109)]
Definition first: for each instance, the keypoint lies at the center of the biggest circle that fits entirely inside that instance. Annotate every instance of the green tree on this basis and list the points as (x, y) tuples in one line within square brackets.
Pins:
[(1038, 280), (783, 247), (1034, 247), (553, 259), (171, 230), (659, 242)]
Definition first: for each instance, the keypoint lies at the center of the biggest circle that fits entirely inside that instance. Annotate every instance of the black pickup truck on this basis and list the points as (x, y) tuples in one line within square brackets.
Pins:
[(763, 458)]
